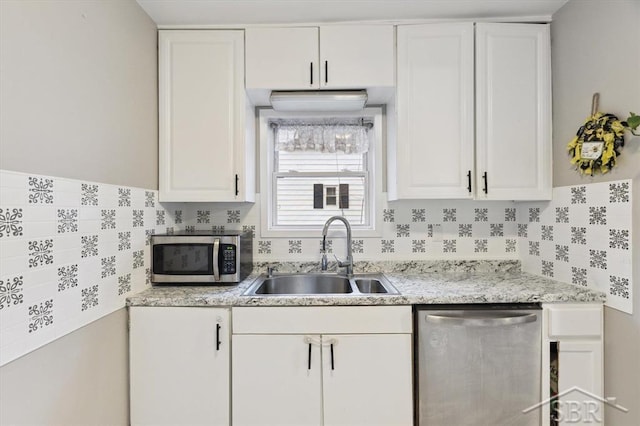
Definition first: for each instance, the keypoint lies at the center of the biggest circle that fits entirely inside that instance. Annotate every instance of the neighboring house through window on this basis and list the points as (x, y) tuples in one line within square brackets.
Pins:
[(319, 165)]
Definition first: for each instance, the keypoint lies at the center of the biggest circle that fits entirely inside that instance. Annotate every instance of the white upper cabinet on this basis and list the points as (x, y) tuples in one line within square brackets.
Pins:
[(434, 147), (331, 57), (354, 56), (205, 137), (513, 112), (282, 58), (436, 152)]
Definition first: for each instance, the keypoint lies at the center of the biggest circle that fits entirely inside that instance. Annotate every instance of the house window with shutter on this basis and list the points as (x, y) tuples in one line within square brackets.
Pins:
[(319, 167)]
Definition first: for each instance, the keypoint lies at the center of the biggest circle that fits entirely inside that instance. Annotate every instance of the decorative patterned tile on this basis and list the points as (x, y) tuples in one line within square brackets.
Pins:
[(138, 218), (547, 268), (124, 197), (619, 239), (89, 195), (67, 220), (481, 215), (149, 199), (402, 231), (598, 259), (417, 215), (480, 246), (11, 291), (418, 246), (203, 216), (510, 245), (449, 215), (40, 253), (233, 216), (40, 315), (449, 246), (619, 192), (357, 246), (218, 229), (534, 214), (534, 248), (578, 235), (11, 222), (124, 240), (523, 230), (108, 219), (388, 215), (579, 276), (619, 286), (295, 246), (597, 215), (138, 259), (40, 190), (387, 246), (89, 297), (264, 247), (67, 277), (562, 253), (547, 232), (124, 284), (510, 214), (160, 217), (465, 230), (579, 195), (89, 245), (177, 217), (562, 214), (497, 230), (108, 266)]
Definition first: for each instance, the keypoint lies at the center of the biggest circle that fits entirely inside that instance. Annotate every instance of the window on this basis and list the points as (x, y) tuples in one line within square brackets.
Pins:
[(318, 167)]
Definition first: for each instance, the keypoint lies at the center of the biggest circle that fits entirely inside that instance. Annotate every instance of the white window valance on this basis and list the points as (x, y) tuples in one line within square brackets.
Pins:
[(329, 135)]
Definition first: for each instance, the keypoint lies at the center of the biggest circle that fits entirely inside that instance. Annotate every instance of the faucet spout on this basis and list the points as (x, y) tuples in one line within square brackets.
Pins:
[(348, 263)]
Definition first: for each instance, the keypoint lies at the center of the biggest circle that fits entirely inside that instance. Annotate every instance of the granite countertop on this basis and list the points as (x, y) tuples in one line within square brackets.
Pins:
[(423, 282)]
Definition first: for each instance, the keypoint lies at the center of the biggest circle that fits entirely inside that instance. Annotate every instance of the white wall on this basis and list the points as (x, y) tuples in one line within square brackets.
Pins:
[(595, 49), (79, 87), (78, 99)]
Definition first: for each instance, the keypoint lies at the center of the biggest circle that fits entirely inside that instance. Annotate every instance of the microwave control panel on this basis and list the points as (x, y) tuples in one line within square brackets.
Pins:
[(227, 262)]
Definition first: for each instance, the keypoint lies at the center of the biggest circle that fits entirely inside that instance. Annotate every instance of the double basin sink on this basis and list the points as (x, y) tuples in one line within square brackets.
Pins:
[(320, 284)]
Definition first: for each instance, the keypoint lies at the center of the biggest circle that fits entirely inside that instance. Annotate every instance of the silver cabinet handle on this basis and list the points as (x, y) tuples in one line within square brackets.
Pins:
[(216, 252), (482, 320)]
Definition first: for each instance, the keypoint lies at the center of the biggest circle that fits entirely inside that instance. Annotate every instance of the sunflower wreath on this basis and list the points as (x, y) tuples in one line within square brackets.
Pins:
[(597, 144)]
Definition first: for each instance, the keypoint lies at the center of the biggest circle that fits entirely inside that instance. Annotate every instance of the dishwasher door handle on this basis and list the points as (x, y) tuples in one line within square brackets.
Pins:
[(476, 320)]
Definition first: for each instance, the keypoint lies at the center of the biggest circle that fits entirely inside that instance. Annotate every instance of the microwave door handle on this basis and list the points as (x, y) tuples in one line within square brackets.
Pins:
[(216, 252)]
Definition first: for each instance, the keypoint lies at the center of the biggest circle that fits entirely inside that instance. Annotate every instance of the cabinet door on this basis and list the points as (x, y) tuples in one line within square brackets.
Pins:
[(580, 364), (179, 373), (356, 56), (201, 115), (513, 111), (369, 381), (434, 147), (276, 380), (282, 58)]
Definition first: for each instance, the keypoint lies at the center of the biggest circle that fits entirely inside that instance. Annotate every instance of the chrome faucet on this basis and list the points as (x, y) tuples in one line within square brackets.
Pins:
[(347, 263)]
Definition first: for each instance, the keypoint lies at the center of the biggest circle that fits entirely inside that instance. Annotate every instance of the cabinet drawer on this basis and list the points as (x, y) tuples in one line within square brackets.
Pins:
[(321, 320), (575, 321)]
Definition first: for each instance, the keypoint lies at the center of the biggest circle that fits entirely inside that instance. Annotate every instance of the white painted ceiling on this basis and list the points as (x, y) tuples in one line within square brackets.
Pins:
[(251, 12)]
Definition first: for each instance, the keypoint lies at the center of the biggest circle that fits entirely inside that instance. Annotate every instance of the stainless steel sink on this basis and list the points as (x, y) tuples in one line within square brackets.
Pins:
[(319, 284), (304, 284)]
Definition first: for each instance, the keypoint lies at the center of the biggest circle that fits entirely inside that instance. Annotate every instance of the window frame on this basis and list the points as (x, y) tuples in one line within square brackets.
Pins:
[(268, 176)]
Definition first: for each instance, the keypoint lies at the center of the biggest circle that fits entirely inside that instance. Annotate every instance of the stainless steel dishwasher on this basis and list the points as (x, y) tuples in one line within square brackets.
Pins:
[(477, 365)]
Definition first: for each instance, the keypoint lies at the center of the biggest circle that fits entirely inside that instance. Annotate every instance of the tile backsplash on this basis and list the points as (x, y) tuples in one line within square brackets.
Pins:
[(582, 237), (421, 229), (70, 253)]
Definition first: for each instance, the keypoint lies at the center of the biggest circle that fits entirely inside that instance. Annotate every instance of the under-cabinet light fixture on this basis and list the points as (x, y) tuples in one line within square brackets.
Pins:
[(319, 100)]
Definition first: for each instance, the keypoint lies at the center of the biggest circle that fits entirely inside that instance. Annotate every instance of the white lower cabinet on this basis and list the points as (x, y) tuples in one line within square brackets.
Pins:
[(576, 331), (179, 366), (328, 376)]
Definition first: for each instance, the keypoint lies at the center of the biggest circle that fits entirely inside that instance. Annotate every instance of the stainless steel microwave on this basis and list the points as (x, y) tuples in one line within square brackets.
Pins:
[(201, 257)]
